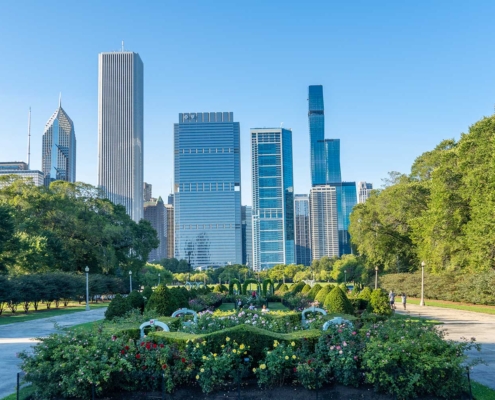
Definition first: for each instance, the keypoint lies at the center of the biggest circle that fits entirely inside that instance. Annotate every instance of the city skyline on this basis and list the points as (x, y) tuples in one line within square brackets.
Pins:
[(388, 74)]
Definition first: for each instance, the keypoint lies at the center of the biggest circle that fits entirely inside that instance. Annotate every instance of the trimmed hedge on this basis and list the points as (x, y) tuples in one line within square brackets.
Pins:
[(322, 294), (314, 291), (258, 339), (305, 289), (297, 287), (337, 302)]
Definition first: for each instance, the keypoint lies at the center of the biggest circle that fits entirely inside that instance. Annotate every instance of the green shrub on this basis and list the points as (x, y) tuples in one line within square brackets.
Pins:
[(180, 296), (355, 292), (365, 294), (337, 302), (283, 288), (297, 287), (306, 289), (220, 289), (118, 307), (322, 294), (314, 291), (379, 302), (135, 300), (163, 301), (344, 288), (147, 292)]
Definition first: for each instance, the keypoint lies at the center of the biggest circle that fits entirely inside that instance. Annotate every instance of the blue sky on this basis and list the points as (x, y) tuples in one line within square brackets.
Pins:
[(398, 76)]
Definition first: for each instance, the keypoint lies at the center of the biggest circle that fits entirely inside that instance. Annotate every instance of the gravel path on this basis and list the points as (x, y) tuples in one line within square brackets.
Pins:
[(18, 337)]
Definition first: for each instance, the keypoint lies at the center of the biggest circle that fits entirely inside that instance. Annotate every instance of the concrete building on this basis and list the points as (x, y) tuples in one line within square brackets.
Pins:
[(324, 222), (156, 214), (302, 229), (364, 189), (147, 192), (20, 169)]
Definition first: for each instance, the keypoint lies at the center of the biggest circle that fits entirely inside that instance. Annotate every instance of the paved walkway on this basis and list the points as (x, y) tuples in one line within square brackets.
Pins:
[(18, 337), (466, 324)]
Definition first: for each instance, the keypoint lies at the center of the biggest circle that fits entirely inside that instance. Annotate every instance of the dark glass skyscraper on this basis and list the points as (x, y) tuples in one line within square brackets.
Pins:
[(247, 235), (207, 189), (316, 117), (302, 229)]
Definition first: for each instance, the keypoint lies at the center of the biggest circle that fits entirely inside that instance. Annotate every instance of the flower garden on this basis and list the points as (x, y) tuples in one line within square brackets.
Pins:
[(367, 348)]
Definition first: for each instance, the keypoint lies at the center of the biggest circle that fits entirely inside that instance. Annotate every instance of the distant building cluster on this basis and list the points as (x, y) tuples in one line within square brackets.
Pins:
[(203, 220)]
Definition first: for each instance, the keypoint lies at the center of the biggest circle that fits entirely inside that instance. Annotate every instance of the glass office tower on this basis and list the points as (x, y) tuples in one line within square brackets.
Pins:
[(273, 197), (207, 189), (302, 229), (247, 235), (59, 148), (120, 130), (316, 116)]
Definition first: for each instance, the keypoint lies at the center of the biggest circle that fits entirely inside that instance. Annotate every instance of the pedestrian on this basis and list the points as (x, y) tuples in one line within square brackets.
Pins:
[(239, 304), (391, 299), (404, 298), (253, 295)]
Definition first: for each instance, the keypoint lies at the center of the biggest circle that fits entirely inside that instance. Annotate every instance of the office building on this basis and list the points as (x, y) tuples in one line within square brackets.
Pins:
[(170, 230), (324, 222), (147, 192), (346, 203), (364, 189), (58, 156), (247, 235), (302, 229), (170, 199), (120, 130), (273, 197), (156, 214), (316, 116), (207, 189), (20, 169)]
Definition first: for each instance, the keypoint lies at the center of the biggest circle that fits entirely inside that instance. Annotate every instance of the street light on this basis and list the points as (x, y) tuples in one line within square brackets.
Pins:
[(130, 281), (422, 302), (376, 278), (87, 287), (345, 277), (158, 278)]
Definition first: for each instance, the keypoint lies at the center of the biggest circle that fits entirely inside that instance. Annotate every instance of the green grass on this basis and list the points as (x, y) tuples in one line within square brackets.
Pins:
[(226, 307), (32, 315), (456, 306), (24, 393), (481, 392), (425, 320), (277, 306)]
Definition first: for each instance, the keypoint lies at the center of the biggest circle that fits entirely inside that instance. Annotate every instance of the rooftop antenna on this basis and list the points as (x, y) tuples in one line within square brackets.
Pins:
[(281, 124), (60, 100), (122, 45), (29, 139)]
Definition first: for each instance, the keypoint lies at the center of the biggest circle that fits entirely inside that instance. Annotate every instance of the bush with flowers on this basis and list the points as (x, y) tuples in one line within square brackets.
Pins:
[(279, 365)]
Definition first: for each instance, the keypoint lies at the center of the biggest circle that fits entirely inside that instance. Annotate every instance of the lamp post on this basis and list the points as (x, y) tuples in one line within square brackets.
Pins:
[(376, 278), (87, 287), (158, 278), (345, 277), (422, 302), (130, 281)]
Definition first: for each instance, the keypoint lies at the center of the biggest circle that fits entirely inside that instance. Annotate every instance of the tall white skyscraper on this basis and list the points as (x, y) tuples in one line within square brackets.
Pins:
[(324, 223), (364, 190), (59, 148), (120, 129)]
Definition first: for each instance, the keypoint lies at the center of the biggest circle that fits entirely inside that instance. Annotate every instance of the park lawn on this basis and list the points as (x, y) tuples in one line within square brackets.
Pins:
[(417, 319), (24, 393), (481, 392), (20, 316), (455, 306), (278, 306)]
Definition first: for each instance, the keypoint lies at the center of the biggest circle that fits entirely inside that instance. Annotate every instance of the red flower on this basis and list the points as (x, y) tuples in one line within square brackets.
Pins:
[(161, 345), (143, 367), (148, 345), (154, 345), (309, 362), (138, 356), (164, 366), (142, 343), (295, 369), (183, 359), (122, 351), (127, 347)]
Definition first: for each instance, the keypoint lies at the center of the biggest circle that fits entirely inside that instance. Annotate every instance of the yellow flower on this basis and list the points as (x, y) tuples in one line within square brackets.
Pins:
[(204, 357), (187, 341), (293, 344), (197, 376), (227, 339), (197, 345), (214, 355), (234, 351), (275, 344), (204, 343), (254, 369), (245, 352), (242, 347), (223, 346), (294, 357), (286, 357), (202, 370), (262, 366)]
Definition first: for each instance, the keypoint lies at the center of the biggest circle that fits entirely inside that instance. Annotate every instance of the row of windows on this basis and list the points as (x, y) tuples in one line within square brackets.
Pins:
[(272, 137), (208, 226), (207, 151), (209, 187), (269, 213)]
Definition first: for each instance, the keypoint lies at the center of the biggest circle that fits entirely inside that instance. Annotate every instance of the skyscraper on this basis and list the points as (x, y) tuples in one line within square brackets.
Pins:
[(324, 224), (147, 191), (316, 116), (170, 230), (207, 185), (273, 197), (156, 214), (302, 229), (364, 189), (120, 129), (59, 148), (247, 235), (347, 202)]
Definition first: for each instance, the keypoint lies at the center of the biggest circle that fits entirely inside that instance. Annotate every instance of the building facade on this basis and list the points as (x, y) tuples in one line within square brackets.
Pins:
[(247, 235), (302, 229), (364, 189), (156, 214), (120, 130), (170, 230), (207, 189), (58, 156), (324, 222), (147, 192), (20, 169), (273, 197)]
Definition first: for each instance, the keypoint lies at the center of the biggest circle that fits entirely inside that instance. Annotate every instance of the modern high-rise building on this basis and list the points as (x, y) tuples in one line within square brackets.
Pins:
[(207, 189), (347, 202), (59, 148), (273, 197), (120, 130), (316, 116), (247, 235), (20, 169), (364, 189), (147, 191), (324, 222), (170, 230), (302, 229), (156, 214)]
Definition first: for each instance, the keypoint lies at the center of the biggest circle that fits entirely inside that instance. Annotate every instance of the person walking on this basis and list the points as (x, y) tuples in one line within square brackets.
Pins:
[(404, 299), (391, 299)]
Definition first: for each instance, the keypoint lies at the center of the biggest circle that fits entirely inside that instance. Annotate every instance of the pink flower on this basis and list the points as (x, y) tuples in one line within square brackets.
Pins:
[(355, 357), (338, 347), (344, 343), (114, 338), (354, 332)]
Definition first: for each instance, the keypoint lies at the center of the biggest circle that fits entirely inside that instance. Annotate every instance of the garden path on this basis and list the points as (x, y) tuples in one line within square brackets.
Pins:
[(19, 336), (460, 323)]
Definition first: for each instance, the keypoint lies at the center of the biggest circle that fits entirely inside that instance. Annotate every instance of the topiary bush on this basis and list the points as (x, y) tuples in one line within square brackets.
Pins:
[(163, 301), (297, 287), (379, 303), (365, 294), (344, 288), (135, 300), (322, 294), (118, 307), (283, 288), (337, 302), (305, 289), (314, 291)]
